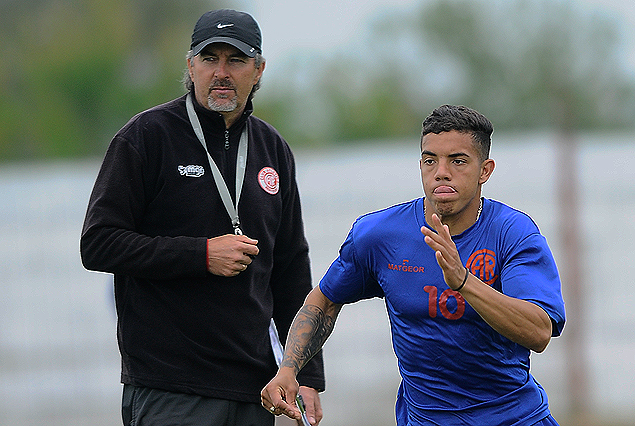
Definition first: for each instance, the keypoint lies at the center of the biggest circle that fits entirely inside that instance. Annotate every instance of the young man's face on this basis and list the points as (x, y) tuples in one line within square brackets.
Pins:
[(452, 172), (223, 78)]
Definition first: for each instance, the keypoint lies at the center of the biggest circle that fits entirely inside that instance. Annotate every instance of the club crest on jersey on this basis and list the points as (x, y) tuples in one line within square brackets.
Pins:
[(269, 180), (482, 263), (191, 171)]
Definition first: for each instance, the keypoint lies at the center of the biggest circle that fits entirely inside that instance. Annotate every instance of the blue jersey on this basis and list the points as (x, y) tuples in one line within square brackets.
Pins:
[(455, 368)]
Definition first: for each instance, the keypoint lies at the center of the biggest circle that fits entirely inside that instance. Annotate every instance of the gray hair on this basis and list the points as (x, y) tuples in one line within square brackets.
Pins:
[(189, 84)]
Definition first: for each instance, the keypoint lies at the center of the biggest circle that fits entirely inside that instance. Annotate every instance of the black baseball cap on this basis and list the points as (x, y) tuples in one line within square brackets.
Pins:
[(227, 26)]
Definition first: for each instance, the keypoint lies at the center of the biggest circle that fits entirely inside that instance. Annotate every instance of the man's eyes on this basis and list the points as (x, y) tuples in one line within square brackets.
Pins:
[(430, 161), (233, 60)]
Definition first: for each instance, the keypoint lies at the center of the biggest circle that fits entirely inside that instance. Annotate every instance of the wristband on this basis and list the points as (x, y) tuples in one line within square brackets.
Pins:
[(467, 272)]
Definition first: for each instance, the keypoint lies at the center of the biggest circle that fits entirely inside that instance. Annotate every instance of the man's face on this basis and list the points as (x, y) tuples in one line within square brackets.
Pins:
[(452, 172), (223, 78)]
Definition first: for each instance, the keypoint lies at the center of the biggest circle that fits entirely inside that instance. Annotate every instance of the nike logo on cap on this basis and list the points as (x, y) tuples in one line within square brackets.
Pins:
[(221, 26)]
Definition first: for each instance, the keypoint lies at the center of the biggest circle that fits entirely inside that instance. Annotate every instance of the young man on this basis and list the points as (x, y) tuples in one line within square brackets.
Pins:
[(197, 214), (470, 286)]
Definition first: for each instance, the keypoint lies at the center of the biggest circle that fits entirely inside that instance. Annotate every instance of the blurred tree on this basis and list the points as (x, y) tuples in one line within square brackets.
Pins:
[(529, 63), (526, 64), (75, 71), (340, 103), (78, 70)]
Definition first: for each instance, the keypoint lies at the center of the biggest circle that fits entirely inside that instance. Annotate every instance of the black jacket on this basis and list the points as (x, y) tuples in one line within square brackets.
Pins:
[(153, 206)]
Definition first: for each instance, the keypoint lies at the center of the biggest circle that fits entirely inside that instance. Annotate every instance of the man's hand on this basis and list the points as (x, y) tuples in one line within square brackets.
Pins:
[(229, 255), (312, 404), (445, 252), (278, 396)]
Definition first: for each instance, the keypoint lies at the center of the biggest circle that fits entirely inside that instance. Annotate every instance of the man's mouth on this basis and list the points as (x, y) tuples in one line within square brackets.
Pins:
[(444, 190), (222, 92), (221, 86), (222, 89)]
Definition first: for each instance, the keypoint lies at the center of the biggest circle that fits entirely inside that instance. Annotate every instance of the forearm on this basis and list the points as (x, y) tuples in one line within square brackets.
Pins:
[(129, 253), (520, 321), (309, 331)]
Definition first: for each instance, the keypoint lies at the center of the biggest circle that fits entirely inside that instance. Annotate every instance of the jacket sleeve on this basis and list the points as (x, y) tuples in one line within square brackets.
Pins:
[(111, 241), (291, 275)]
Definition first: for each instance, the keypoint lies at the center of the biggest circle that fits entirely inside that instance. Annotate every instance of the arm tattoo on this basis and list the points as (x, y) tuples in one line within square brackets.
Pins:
[(310, 329)]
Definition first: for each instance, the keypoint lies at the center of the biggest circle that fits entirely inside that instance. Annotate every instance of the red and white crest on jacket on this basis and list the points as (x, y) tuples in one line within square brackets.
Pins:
[(269, 180)]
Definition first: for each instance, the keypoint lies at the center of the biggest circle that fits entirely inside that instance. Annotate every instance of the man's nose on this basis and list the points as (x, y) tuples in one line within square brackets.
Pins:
[(443, 171), (222, 70)]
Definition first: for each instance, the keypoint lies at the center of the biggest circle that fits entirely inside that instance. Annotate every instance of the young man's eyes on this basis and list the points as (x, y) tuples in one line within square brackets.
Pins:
[(458, 161)]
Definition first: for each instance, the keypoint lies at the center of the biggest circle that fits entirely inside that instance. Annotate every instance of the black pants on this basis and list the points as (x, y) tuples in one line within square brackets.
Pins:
[(152, 407)]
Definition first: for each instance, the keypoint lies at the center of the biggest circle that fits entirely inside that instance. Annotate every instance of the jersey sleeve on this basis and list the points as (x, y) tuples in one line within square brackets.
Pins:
[(530, 273), (349, 278)]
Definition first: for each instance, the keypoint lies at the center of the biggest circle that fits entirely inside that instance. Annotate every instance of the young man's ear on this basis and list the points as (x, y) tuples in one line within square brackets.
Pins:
[(487, 168)]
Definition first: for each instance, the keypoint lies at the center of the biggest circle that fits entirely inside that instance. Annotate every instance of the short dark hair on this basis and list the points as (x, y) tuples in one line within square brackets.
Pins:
[(464, 120)]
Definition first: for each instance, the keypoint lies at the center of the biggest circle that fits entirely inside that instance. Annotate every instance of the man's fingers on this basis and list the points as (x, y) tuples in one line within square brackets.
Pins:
[(312, 405), (229, 255), (442, 230), (445, 250), (249, 246), (432, 239), (275, 402)]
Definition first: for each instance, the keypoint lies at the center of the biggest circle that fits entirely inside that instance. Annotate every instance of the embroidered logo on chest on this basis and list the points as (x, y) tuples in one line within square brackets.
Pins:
[(191, 171), (269, 180)]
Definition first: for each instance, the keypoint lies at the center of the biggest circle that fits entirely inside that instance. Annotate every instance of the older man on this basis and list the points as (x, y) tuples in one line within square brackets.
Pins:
[(197, 214)]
